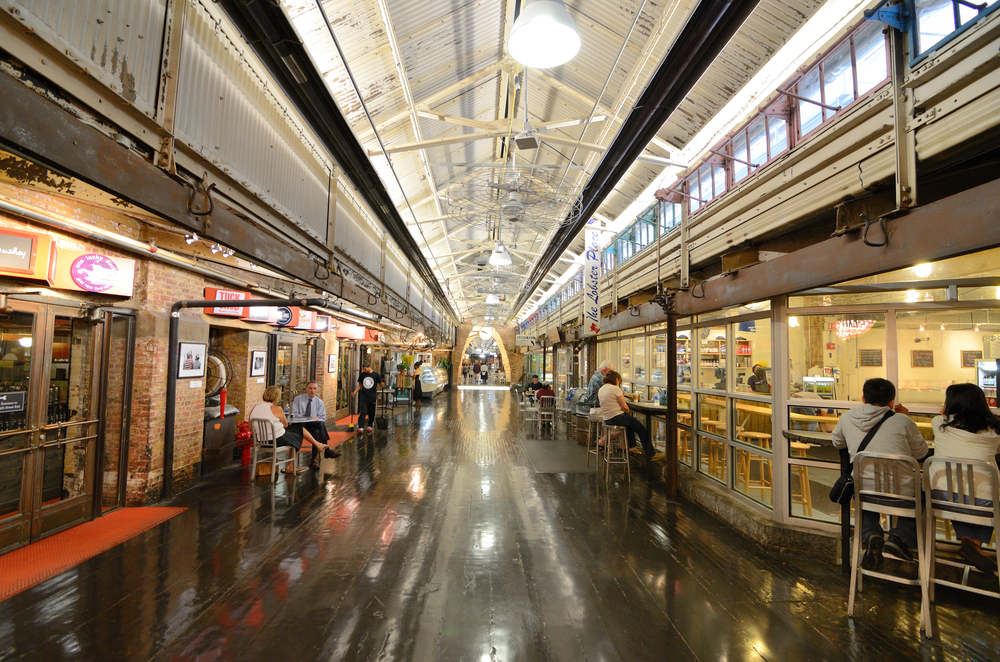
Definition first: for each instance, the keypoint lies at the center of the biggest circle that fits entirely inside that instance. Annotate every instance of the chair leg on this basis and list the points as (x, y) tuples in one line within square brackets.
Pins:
[(924, 574), (855, 563)]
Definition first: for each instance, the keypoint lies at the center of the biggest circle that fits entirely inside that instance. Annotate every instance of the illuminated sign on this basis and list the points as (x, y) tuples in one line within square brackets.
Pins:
[(846, 329), (216, 294), (85, 271)]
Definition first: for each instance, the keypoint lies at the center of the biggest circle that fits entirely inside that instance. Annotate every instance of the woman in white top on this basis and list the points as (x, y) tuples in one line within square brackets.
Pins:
[(967, 429), (615, 411), (293, 437)]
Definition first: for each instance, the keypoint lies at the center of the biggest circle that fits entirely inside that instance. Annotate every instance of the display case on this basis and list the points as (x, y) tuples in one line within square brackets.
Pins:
[(821, 386), (986, 378), (432, 380)]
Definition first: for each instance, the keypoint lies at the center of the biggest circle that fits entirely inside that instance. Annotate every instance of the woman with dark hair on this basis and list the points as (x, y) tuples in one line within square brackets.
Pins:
[(968, 429), (418, 387)]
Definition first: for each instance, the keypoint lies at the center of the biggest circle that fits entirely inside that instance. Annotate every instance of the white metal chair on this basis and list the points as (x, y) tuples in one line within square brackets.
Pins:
[(264, 445), (889, 485), (959, 478), (530, 415), (616, 450), (546, 413)]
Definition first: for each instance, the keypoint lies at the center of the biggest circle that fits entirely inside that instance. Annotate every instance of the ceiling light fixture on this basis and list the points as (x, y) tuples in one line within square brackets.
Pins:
[(544, 35), (492, 298), (922, 270), (190, 238), (500, 256)]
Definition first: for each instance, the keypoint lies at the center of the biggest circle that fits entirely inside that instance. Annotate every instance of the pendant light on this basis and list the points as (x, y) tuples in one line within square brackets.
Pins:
[(544, 35), (500, 256)]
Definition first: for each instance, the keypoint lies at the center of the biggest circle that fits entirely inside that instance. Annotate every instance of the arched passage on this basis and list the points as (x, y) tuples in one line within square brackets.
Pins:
[(473, 335)]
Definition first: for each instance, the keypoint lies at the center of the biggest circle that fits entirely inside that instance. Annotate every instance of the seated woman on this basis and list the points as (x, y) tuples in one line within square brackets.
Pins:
[(615, 411), (294, 436), (967, 429)]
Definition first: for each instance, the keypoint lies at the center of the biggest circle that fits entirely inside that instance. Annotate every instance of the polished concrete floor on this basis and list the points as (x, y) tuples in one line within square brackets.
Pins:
[(452, 536)]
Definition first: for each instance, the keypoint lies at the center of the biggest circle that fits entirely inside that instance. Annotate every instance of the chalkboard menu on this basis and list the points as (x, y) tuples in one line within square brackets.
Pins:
[(922, 358), (870, 358)]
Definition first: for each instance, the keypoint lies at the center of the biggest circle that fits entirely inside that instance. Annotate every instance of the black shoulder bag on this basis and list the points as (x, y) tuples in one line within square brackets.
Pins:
[(843, 490)]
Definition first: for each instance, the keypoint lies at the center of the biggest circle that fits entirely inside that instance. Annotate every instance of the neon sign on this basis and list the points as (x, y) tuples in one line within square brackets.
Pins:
[(847, 329)]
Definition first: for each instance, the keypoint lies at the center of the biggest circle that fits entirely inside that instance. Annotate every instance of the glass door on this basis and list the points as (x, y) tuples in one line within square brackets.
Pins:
[(119, 344), (293, 365), (48, 440), (344, 384)]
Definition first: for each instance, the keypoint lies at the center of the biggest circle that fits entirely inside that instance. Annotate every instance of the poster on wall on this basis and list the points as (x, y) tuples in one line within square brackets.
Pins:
[(258, 363), (591, 280), (191, 362), (970, 356), (331, 363)]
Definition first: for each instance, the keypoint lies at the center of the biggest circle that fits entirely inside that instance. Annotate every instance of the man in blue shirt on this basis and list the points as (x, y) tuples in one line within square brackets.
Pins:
[(310, 405), (597, 381)]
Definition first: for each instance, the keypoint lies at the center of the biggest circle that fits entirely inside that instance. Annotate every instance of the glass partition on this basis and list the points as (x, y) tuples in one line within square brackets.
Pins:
[(831, 356), (752, 356), (712, 358), (684, 358)]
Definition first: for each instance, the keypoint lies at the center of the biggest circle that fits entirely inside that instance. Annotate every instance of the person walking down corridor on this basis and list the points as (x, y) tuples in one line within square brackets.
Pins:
[(368, 382)]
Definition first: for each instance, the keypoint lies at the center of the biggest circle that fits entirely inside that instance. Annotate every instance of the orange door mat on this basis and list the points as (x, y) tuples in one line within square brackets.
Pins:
[(34, 563)]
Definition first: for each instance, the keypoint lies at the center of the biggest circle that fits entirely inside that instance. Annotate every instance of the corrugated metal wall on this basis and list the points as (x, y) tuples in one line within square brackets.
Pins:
[(231, 117), (119, 42), (353, 238), (395, 275)]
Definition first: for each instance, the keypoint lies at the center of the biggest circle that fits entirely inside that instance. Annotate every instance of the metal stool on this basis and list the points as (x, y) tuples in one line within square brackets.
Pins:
[(615, 453), (594, 435)]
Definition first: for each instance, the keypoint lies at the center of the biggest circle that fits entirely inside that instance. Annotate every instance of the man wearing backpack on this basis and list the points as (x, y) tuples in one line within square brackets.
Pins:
[(896, 435)]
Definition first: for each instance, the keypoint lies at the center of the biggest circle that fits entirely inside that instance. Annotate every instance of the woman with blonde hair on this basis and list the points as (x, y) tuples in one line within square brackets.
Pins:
[(284, 436)]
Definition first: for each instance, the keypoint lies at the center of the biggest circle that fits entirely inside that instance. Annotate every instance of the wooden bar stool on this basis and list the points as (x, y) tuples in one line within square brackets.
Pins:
[(762, 439), (804, 497), (747, 462), (615, 450)]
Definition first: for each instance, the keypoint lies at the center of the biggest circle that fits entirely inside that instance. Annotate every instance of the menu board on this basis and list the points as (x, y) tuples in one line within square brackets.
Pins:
[(870, 358), (922, 358), (970, 356)]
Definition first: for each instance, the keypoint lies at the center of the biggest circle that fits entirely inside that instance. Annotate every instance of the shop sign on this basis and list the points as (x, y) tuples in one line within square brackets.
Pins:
[(322, 323), (553, 334), (306, 318), (847, 329), (591, 281), (85, 271), (367, 283), (11, 401), (261, 314), (351, 331), (524, 340), (286, 316), (215, 294), (27, 255)]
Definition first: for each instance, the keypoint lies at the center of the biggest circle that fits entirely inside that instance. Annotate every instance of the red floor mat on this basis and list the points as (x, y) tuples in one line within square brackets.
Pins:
[(34, 563)]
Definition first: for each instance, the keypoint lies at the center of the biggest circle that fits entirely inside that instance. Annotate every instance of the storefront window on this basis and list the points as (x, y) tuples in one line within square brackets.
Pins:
[(809, 490), (639, 359), (684, 358), (754, 476), (625, 365), (712, 358), (658, 359), (712, 409), (685, 447), (831, 356), (712, 458), (752, 356), (752, 423), (938, 348)]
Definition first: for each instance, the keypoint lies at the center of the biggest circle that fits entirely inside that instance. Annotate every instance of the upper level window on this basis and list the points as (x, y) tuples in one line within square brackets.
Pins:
[(937, 20), (853, 69), (670, 216)]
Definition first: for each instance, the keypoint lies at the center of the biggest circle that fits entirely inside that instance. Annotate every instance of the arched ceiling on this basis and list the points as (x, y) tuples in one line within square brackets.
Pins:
[(442, 101)]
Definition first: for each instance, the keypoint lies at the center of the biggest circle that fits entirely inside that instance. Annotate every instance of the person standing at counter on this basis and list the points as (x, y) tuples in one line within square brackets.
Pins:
[(758, 380), (418, 387), (616, 412), (896, 435), (368, 382), (967, 429)]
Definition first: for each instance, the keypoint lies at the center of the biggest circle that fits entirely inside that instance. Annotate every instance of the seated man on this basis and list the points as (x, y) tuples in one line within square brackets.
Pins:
[(595, 384), (616, 412), (898, 435), (546, 391), (532, 387), (309, 405)]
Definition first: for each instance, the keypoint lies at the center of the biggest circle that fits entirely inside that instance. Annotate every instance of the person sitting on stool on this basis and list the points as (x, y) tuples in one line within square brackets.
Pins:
[(308, 405), (616, 412)]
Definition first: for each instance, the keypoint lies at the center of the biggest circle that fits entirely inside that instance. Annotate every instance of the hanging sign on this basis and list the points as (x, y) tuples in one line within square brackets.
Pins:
[(27, 255), (306, 319), (92, 272), (322, 324), (215, 294), (524, 340), (591, 281), (846, 329), (286, 316), (351, 331), (261, 314)]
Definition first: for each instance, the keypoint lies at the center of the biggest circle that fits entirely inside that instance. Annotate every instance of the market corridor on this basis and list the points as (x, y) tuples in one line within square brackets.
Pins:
[(452, 536)]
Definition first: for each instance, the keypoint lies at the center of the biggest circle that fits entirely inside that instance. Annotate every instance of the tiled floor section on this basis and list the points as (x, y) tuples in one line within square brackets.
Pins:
[(454, 537)]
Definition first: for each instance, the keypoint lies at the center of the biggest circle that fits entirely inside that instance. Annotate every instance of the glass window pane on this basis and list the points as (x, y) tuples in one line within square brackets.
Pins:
[(684, 358), (705, 177), (712, 460), (777, 135), (869, 50), (935, 20), (810, 116), (625, 365), (753, 476), (752, 356), (684, 407), (685, 447), (838, 79), (639, 359), (740, 170), (712, 357), (758, 142), (752, 423), (719, 177), (658, 359), (712, 411), (694, 202), (809, 490), (831, 356)]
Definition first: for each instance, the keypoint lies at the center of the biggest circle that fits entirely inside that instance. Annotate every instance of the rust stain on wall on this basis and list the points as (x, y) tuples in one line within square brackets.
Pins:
[(26, 172)]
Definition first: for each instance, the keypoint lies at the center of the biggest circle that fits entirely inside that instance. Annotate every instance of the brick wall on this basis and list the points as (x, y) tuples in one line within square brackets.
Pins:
[(327, 344)]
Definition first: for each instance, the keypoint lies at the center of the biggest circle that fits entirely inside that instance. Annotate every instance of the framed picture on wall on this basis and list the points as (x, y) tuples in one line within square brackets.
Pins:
[(258, 363), (331, 363), (191, 362), (970, 356)]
